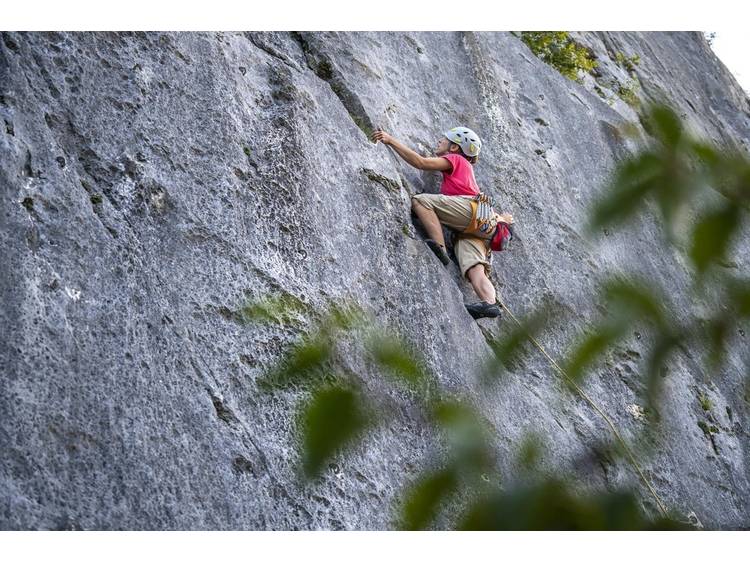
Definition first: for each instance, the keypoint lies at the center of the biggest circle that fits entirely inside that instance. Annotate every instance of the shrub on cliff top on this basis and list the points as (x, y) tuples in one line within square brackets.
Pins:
[(557, 49)]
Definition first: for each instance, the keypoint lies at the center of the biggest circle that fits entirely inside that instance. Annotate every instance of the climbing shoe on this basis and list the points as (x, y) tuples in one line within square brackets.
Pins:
[(439, 251), (483, 310)]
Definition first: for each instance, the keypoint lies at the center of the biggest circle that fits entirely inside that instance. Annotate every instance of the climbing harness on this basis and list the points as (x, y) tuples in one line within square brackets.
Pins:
[(483, 217), (485, 224), (598, 410)]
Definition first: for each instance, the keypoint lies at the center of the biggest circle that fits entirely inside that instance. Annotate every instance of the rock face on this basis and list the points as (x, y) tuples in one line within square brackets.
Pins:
[(150, 184)]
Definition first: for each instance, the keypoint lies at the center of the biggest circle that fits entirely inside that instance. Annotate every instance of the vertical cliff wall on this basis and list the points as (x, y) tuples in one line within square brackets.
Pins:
[(150, 184)]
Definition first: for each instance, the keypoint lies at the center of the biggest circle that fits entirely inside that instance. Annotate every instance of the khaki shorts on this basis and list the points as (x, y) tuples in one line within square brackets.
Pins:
[(454, 211)]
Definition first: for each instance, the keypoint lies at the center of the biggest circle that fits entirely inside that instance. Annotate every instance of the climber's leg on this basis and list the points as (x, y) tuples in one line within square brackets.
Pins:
[(430, 222)]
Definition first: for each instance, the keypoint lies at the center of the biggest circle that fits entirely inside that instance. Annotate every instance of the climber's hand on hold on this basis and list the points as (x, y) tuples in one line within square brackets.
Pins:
[(507, 218), (382, 136), (408, 155)]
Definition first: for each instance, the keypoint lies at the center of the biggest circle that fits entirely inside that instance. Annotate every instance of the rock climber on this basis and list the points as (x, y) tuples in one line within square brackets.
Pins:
[(456, 153)]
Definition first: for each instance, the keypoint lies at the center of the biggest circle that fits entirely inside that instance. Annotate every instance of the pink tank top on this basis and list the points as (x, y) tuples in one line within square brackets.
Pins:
[(461, 180)]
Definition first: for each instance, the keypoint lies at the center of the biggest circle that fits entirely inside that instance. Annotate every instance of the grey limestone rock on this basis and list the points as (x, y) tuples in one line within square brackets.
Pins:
[(152, 183)]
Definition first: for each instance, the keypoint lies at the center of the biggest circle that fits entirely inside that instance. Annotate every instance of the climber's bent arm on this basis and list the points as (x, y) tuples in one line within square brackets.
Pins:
[(411, 157), (420, 162)]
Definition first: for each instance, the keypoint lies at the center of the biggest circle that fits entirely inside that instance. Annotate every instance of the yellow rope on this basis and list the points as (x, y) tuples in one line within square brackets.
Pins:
[(604, 416)]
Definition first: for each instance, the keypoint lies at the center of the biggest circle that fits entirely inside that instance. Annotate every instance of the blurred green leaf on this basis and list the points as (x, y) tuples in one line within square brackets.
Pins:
[(712, 235), (666, 125), (634, 300), (466, 432), (629, 187), (512, 346), (590, 349), (739, 295), (345, 316), (729, 174), (547, 506), (737, 188), (707, 154), (303, 362), (284, 309), (423, 499), (656, 366), (530, 452), (450, 413), (551, 505), (672, 194), (398, 359), (717, 332), (332, 418)]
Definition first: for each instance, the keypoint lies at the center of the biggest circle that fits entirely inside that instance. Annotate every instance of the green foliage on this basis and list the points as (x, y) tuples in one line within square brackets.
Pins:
[(306, 361), (335, 417), (557, 49), (665, 342), (423, 500), (310, 360), (717, 332), (284, 309), (628, 93), (630, 300), (685, 177), (551, 505), (590, 348), (632, 182), (332, 418), (707, 430), (631, 304), (343, 317), (739, 294), (671, 172), (705, 402), (628, 63), (529, 453), (397, 359), (511, 348), (667, 127), (466, 433), (712, 235)]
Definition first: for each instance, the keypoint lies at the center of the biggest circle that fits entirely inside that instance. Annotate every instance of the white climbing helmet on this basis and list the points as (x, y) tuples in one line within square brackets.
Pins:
[(467, 139)]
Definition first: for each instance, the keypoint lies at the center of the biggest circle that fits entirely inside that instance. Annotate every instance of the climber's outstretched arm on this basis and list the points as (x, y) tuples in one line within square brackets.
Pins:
[(411, 157)]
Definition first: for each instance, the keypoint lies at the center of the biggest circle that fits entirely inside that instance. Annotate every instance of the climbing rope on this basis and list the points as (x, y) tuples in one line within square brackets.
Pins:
[(593, 404)]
